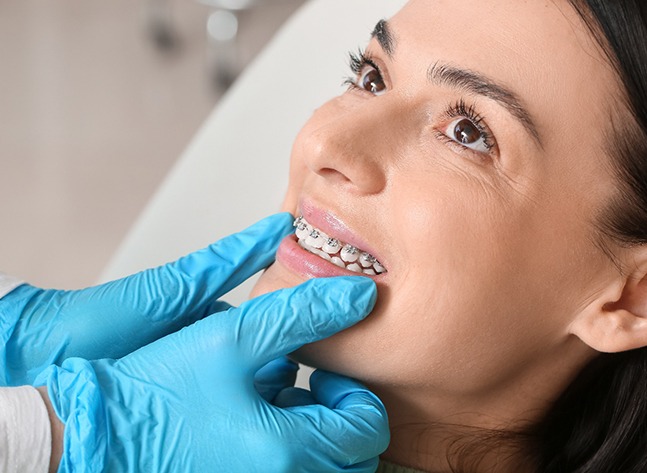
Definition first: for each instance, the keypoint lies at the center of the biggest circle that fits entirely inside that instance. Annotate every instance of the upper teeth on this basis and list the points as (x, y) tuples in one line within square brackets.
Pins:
[(335, 251), (331, 246)]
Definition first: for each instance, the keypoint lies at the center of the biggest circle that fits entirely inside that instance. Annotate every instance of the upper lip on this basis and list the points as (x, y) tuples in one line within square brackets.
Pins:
[(335, 227)]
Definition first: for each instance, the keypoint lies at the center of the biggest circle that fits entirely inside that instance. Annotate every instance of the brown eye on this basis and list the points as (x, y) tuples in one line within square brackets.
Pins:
[(465, 132), (468, 134), (371, 81)]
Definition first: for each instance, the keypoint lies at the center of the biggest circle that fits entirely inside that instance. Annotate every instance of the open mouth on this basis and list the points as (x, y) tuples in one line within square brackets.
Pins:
[(335, 251)]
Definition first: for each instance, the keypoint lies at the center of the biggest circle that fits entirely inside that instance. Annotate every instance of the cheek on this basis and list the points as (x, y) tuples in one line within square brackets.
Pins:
[(430, 319), (479, 292), (448, 330)]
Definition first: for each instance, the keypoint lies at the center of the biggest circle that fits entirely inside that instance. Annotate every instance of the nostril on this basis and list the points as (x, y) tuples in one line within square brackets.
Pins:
[(364, 179), (333, 174)]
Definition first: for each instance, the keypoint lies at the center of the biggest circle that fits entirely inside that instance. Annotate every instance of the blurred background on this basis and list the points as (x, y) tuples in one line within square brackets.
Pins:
[(97, 101)]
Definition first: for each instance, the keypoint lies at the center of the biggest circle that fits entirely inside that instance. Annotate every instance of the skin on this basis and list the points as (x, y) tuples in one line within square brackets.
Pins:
[(497, 291), (57, 431)]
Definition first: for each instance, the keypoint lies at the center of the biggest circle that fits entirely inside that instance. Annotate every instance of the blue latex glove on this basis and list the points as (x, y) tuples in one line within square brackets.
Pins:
[(43, 327), (187, 402)]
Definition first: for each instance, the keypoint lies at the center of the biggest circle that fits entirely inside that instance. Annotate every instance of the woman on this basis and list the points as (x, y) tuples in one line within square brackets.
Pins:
[(488, 162)]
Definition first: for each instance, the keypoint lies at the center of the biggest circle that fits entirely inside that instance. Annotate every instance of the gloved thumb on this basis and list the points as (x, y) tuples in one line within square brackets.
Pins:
[(288, 319), (278, 323), (275, 377)]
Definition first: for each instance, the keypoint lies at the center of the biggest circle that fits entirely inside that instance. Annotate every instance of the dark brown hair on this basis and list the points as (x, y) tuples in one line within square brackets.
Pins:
[(599, 424)]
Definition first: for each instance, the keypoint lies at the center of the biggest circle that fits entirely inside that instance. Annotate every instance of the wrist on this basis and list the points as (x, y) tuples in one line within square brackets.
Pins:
[(74, 397), (57, 431)]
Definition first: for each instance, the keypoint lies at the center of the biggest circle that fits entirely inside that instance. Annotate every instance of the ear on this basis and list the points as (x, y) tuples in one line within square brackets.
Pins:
[(616, 320)]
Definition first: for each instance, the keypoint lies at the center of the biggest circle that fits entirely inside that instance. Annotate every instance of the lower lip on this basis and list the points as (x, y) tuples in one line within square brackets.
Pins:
[(306, 264)]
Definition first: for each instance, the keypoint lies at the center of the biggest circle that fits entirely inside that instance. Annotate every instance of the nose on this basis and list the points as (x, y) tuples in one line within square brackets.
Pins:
[(352, 147)]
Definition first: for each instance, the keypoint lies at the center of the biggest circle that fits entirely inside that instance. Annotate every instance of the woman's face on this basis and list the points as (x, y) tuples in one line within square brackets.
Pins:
[(468, 159)]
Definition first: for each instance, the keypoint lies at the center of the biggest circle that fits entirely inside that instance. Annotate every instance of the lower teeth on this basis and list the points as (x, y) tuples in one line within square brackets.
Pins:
[(350, 258)]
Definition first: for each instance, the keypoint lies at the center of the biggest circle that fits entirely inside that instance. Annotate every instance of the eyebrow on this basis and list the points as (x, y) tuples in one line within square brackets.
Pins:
[(464, 79), (384, 37), (478, 84)]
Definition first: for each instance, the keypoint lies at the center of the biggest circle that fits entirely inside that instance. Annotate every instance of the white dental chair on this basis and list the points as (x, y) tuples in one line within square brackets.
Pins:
[(235, 170)]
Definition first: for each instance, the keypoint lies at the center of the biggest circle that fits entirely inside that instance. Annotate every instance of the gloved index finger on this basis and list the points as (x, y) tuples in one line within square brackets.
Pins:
[(351, 421), (135, 310), (340, 392)]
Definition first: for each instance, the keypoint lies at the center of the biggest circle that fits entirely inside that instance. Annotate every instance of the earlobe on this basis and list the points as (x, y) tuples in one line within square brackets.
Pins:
[(617, 320), (611, 331)]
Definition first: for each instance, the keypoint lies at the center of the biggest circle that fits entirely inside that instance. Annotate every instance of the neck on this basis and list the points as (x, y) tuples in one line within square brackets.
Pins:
[(469, 442), (477, 430)]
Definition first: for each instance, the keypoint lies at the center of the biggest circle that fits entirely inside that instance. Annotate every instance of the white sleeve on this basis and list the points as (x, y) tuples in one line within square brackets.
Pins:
[(8, 284), (25, 431)]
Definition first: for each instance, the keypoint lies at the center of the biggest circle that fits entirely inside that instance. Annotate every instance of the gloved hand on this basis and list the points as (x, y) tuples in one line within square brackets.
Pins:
[(43, 327), (187, 402)]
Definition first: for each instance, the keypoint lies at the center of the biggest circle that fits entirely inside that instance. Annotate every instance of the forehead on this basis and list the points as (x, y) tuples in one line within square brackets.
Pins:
[(488, 31), (540, 49)]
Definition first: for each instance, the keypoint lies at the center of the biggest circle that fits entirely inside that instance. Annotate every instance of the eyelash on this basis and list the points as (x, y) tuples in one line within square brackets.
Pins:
[(359, 60), (461, 109)]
